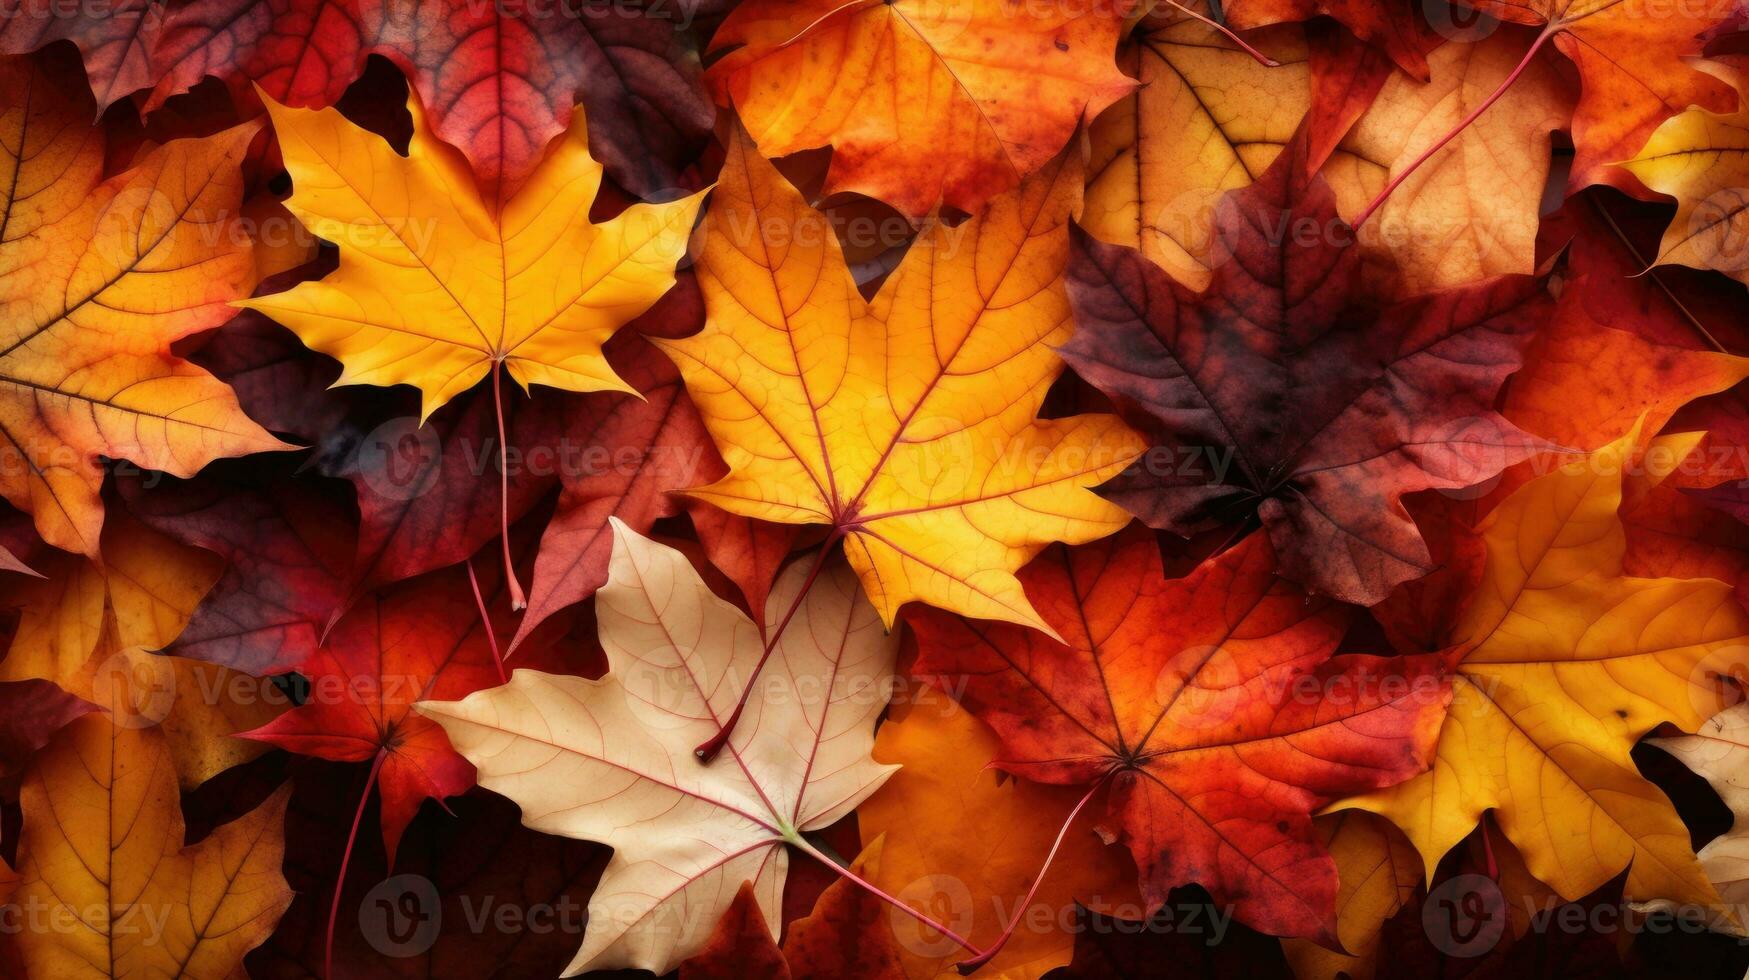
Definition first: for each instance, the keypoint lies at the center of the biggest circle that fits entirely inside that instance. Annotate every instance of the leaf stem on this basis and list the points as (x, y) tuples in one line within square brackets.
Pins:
[(376, 767), (1262, 59), (1488, 851), (517, 599), (806, 848), (708, 749), (486, 621), (967, 967), (1548, 31)]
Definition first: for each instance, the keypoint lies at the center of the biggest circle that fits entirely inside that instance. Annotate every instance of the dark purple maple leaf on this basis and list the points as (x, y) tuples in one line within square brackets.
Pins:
[(1281, 398)]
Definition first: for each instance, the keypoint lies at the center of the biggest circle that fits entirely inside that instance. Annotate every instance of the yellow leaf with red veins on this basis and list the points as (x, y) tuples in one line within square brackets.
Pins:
[(908, 424)]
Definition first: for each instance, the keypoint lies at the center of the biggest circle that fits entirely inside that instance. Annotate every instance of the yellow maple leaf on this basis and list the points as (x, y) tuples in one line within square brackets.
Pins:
[(435, 288), (1698, 157), (97, 279), (103, 871), (908, 424), (1562, 664)]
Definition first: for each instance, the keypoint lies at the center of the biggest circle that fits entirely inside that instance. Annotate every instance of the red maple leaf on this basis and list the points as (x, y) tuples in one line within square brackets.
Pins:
[(1211, 706), (421, 640)]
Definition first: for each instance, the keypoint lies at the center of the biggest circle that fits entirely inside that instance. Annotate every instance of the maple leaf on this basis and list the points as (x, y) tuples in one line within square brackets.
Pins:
[(1205, 119), (1717, 751), (749, 552), (148, 907), (421, 500), (639, 450), (1561, 664), (1697, 158), (1208, 120), (1280, 398), (1677, 318), (501, 78), (923, 104), (299, 52), (906, 424), (1633, 59), (1210, 706), (424, 491), (421, 640), (844, 936), (610, 760), (740, 945), (1556, 395), (115, 44), (1452, 220), (436, 288), (956, 835), (97, 279)]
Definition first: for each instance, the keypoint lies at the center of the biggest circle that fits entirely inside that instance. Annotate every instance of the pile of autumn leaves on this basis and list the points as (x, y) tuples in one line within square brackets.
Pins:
[(363, 399)]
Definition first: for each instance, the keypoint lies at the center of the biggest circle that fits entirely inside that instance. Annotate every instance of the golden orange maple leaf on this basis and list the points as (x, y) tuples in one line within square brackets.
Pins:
[(435, 287), (1562, 664), (97, 279)]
